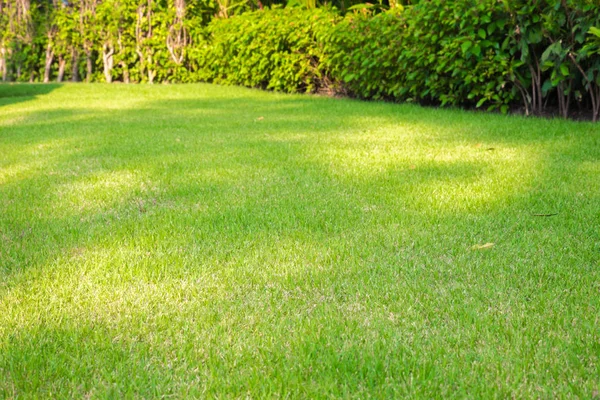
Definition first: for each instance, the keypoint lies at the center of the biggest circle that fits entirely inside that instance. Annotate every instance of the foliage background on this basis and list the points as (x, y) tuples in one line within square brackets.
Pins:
[(538, 55)]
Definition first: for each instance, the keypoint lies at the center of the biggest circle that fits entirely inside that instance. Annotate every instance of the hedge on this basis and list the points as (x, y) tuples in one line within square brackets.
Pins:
[(538, 55)]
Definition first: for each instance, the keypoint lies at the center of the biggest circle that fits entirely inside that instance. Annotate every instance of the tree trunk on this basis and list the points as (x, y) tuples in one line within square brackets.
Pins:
[(141, 64), (564, 100), (151, 73), (3, 66), (19, 62), (74, 65), (108, 61), (88, 63), (595, 94), (122, 63), (48, 64), (125, 71), (61, 68)]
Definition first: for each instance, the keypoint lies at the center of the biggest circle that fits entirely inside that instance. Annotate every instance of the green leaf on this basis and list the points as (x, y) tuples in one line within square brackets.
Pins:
[(595, 31), (547, 65), (466, 46), (547, 86), (552, 49), (482, 34)]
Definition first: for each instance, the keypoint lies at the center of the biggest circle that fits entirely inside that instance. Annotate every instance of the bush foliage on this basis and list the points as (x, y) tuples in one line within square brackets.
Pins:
[(279, 49), (433, 52), (538, 54)]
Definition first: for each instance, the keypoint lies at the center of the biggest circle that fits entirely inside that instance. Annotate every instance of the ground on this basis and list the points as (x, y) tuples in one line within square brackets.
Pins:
[(200, 241)]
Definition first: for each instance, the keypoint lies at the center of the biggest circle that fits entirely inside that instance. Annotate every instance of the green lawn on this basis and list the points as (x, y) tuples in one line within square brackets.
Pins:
[(201, 241)]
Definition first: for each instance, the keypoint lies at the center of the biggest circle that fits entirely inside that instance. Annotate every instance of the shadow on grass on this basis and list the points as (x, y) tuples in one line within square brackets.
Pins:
[(12, 93), (47, 357), (304, 203)]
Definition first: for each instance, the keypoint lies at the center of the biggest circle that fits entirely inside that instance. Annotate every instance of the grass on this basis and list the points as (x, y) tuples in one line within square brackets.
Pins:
[(204, 241)]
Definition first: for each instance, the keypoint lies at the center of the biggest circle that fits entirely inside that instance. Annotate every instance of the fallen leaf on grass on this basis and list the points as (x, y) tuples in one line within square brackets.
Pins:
[(545, 215), (260, 118), (483, 246)]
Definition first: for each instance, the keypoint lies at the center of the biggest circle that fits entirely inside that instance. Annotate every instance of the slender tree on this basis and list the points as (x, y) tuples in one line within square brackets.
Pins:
[(177, 38)]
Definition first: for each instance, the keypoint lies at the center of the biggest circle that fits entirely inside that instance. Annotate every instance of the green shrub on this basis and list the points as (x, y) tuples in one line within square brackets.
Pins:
[(274, 49), (550, 41), (434, 52), (473, 53), (456, 53), (362, 53)]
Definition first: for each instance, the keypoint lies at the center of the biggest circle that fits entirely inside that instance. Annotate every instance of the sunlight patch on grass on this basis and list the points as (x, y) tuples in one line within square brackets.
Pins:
[(27, 161), (98, 191), (446, 176)]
